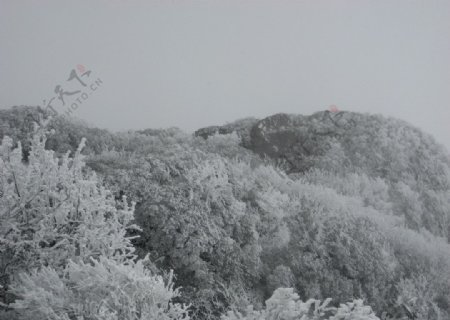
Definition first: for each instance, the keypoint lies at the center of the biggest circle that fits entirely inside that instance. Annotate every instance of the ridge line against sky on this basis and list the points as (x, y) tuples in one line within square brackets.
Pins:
[(193, 64)]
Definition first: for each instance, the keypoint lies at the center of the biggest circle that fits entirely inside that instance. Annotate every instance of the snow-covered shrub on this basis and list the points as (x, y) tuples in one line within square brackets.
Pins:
[(286, 305), (104, 289), (52, 211), (65, 253), (417, 296)]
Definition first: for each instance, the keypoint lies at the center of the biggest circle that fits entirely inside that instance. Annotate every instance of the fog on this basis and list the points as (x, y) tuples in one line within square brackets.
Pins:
[(196, 63)]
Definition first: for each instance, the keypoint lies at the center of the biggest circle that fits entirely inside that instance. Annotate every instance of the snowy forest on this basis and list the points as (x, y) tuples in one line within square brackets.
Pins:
[(335, 215)]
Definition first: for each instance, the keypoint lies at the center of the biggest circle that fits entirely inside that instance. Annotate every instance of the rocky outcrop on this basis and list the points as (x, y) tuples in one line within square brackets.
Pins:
[(293, 139), (299, 140), (241, 127), (342, 141)]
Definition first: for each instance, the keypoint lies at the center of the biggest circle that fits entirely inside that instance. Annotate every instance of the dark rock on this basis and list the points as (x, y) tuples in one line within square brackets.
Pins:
[(241, 127)]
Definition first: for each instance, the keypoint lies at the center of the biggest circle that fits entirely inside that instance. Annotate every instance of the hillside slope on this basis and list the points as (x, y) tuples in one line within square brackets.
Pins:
[(414, 167), (339, 205)]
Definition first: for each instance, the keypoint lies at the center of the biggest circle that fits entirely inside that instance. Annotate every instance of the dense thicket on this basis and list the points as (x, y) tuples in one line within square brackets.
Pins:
[(65, 253), (343, 206)]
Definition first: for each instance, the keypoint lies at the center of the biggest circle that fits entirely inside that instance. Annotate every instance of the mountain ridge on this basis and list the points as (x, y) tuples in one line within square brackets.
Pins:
[(339, 205)]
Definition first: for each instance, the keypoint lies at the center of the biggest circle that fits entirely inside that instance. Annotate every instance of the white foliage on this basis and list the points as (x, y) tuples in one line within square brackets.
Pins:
[(103, 289), (286, 305), (64, 239), (51, 211)]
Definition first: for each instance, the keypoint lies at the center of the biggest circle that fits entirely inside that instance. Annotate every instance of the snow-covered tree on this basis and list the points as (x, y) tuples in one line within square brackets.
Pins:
[(52, 211), (65, 253)]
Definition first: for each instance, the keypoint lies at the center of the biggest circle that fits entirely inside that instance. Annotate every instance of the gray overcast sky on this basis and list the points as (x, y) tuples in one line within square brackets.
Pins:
[(197, 63)]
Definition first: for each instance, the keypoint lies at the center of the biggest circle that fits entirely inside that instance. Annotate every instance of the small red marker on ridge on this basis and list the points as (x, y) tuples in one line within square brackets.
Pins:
[(333, 108)]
